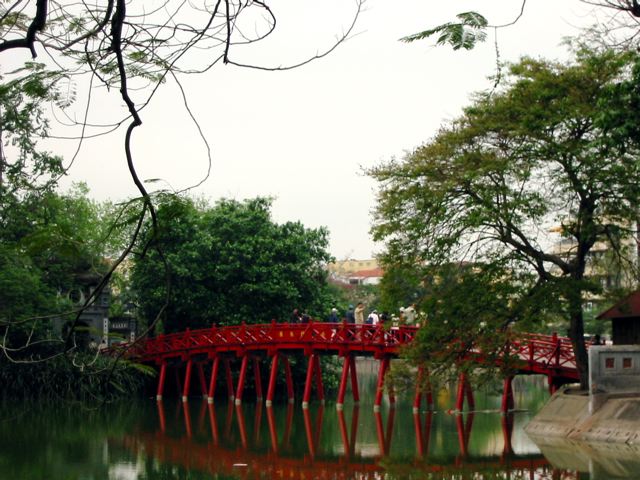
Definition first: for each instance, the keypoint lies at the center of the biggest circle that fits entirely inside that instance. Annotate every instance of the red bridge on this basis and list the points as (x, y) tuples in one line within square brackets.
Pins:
[(534, 354)]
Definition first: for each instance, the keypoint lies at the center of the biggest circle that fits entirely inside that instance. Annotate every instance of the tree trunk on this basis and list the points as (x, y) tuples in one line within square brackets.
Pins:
[(576, 334)]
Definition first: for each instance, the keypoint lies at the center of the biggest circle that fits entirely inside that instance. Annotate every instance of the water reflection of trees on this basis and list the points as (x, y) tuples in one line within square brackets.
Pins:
[(225, 446)]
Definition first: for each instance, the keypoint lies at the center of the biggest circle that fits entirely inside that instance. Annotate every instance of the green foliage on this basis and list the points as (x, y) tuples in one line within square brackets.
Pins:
[(230, 263), (60, 378), (22, 101), (465, 34), (49, 243), (554, 146), (400, 286)]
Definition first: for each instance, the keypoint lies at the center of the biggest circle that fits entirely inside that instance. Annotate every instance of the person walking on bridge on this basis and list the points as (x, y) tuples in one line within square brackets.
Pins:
[(295, 316), (350, 315), (359, 313)]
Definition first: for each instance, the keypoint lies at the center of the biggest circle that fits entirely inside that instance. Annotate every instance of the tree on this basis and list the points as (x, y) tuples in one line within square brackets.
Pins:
[(48, 243), (113, 47), (552, 146), (230, 263)]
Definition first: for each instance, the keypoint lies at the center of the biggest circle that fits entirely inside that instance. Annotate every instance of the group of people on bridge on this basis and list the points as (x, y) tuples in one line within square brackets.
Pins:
[(356, 315)]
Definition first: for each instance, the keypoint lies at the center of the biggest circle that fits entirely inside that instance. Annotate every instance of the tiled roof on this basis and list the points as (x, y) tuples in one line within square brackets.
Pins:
[(626, 308)]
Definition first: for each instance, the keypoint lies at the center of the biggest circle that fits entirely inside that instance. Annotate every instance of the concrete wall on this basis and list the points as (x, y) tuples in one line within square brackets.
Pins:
[(614, 369)]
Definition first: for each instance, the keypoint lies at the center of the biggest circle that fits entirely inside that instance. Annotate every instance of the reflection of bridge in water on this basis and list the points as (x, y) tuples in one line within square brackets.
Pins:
[(214, 347), (245, 460)]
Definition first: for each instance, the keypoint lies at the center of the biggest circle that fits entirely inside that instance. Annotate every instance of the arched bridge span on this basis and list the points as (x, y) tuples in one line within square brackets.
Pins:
[(548, 355)]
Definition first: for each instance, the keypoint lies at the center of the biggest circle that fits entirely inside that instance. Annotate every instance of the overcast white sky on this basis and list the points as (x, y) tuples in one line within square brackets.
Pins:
[(303, 136)]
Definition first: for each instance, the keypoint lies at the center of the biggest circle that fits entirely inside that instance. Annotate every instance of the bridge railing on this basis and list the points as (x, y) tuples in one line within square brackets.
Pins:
[(312, 334), (549, 351), (535, 350)]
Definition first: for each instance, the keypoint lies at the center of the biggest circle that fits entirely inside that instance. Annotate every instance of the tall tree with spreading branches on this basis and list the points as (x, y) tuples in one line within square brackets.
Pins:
[(556, 145), (76, 49)]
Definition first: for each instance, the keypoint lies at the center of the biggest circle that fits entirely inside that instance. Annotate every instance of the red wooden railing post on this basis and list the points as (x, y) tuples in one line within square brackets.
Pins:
[(241, 378), (161, 380), (343, 383), (354, 380), (272, 380), (319, 385), (214, 379), (187, 380), (307, 385)]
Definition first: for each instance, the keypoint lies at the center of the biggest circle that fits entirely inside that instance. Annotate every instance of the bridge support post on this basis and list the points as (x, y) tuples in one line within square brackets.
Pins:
[(258, 378), (214, 378), (507, 395), (203, 382), (464, 390), (271, 389), (319, 385), (354, 380), (342, 390), (417, 399), (176, 375), (227, 368), (187, 380), (382, 370), (462, 378), (241, 378), (289, 378), (161, 380), (307, 385), (553, 384)]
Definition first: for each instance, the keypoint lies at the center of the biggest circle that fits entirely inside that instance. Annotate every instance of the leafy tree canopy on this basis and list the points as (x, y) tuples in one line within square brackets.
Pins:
[(230, 263), (556, 145)]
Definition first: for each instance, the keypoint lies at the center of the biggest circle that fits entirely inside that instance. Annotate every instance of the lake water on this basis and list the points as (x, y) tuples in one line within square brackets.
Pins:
[(145, 440)]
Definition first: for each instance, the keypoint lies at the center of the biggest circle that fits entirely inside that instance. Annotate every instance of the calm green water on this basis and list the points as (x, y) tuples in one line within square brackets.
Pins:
[(140, 439)]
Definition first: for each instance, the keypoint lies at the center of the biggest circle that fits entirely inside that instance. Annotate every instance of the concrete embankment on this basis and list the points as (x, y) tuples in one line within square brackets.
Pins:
[(570, 414)]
